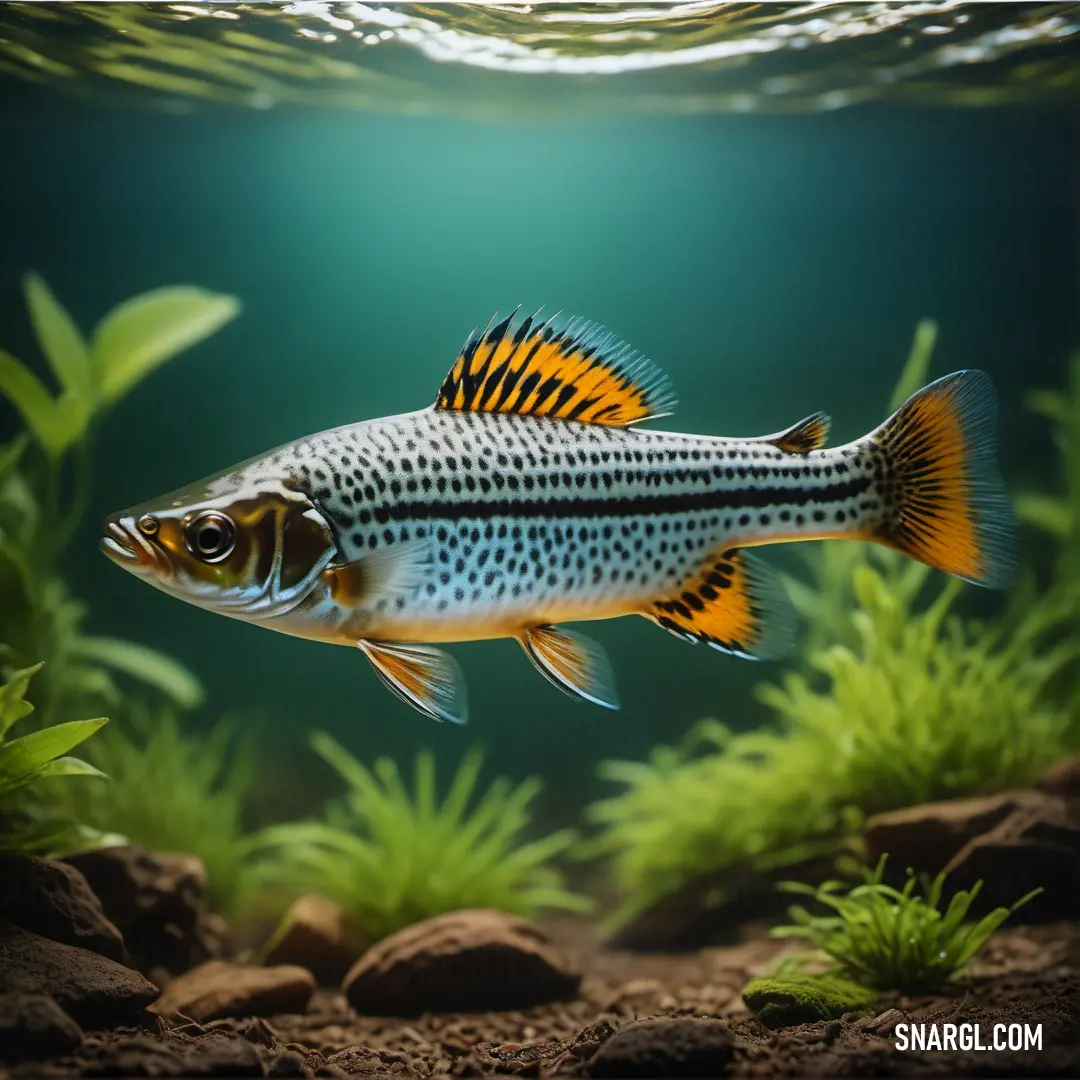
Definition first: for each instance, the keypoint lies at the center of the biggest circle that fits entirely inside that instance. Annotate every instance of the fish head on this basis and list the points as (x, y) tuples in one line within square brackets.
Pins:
[(250, 550)]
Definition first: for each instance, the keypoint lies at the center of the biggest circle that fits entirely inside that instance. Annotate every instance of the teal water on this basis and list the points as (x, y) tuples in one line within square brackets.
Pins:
[(772, 264)]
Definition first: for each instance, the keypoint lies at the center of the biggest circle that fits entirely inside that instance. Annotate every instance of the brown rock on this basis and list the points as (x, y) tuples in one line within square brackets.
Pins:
[(157, 901), (667, 1046), (216, 989), (1062, 778), (463, 961), (33, 1026), (209, 1053), (314, 935), (926, 837), (53, 899), (1034, 847), (93, 990)]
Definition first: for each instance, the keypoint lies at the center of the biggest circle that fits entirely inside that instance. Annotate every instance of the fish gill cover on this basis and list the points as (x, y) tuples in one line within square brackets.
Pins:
[(654, 58)]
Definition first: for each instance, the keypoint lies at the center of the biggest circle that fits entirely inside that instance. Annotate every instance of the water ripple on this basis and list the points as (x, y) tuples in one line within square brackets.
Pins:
[(542, 60)]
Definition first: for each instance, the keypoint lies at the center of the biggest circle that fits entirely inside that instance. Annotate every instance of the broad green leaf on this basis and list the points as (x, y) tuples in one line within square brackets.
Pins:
[(11, 455), (23, 757), (140, 334), (13, 706), (54, 424), (145, 664), (59, 338), (70, 766)]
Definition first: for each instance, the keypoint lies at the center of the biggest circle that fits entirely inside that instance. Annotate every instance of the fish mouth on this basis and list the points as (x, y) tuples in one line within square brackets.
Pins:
[(125, 547)]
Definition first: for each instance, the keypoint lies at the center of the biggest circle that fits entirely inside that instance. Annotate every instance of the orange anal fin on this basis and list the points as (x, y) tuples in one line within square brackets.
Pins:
[(572, 662), (427, 679), (735, 603), (810, 433)]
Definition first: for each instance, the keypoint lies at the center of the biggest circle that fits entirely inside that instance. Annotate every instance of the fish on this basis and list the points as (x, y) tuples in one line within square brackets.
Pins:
[(529, 496)]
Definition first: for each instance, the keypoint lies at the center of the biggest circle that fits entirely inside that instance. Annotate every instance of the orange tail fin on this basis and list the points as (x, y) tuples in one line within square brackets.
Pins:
[(945, 504)]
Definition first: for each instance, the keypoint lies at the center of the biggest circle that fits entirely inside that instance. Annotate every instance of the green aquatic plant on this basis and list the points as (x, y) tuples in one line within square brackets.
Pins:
[(929, 705), (172, 791), (392, 857), (784, 1000), (46, 475), (131, 341), (895, 939), (898, 699), (719, 801), (926, 705), (29, 760), (1058, 515)]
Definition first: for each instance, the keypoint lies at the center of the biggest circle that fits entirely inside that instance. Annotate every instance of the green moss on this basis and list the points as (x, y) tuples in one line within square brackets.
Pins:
[(786, 1000), (895, 939), (392, 857)]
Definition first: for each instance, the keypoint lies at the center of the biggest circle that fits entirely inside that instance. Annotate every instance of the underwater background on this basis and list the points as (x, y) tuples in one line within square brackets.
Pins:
[(774, 257)]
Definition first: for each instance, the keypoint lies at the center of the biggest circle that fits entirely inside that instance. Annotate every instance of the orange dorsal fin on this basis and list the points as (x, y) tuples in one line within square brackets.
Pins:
[(735, 603), (810, 433), (572, 369)]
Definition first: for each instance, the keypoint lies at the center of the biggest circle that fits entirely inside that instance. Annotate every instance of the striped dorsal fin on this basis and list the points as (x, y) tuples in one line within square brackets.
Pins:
[(575, 370)]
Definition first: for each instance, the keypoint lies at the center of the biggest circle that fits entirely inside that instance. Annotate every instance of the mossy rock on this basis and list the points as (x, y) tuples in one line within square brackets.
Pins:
[(787, 1000)]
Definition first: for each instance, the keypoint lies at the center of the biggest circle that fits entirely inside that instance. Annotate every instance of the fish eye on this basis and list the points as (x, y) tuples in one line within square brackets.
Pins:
[(210, 536), (148, 525)]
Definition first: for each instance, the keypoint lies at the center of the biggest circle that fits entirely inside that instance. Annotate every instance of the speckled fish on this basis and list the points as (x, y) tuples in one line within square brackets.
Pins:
[(527, 497)]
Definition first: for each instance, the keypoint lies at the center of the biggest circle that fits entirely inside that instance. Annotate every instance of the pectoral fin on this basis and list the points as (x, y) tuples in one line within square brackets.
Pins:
[(380, 575), (427, 679), (573, 662)]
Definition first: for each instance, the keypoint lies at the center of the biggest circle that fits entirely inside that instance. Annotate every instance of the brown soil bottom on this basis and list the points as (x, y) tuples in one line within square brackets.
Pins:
[(1030, 975)]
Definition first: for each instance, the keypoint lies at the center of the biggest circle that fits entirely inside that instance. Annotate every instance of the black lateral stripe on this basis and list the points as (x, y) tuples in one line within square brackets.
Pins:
[(644, 506)]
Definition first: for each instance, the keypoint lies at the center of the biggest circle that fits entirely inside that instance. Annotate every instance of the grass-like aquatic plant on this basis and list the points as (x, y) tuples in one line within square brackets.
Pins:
[(392, 857), (902, 702), (895, 939), (929, 705), (1058, 514), (172, 791), (28, 760), (717, 802), (925, 706)]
